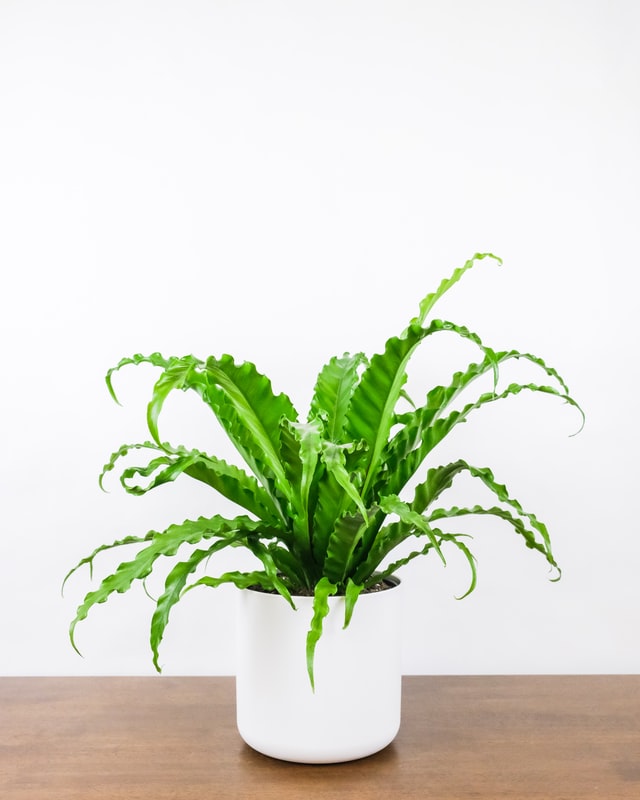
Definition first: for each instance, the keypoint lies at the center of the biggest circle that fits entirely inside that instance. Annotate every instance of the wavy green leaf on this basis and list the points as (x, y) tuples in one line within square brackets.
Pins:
[(501, 492), (179, 374), (166, 475), (344, 539), (156, 359), (351, 595), (528, 534), (243, 402), (123, 451), (370, 415), (334, 458), (427, 303), (251, 415), (164, 543), (174, 584), (453, 538), (391, 504), (227, 479), (391, 569), (271, 566), (438, 480), (293, 570), (372, 411), (471, 561), (233, 483), (436, 431), (300, 448), (323, 590), (338, 492), (424, 428), (177, 578), (379, 542), (127, 540), (333, 391)]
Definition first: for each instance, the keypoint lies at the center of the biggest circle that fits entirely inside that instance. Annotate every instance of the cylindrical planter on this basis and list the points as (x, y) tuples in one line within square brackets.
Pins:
[(355, 709)]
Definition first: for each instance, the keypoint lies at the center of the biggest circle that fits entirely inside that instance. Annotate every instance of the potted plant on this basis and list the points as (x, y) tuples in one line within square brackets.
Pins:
[(325, 511)]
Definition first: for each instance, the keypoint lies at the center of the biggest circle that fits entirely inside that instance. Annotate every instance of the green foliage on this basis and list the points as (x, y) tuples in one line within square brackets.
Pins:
[(321, 506)]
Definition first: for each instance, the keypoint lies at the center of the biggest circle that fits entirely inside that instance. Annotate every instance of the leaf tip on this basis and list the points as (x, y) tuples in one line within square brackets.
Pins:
[(110, 388), (582, 423), (311, 678), (72, 637)]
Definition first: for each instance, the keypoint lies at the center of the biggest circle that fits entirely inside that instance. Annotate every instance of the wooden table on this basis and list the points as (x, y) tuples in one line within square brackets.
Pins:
[(165, 738)]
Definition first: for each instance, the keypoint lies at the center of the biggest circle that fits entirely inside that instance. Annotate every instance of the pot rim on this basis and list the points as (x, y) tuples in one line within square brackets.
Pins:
[(390, 582)]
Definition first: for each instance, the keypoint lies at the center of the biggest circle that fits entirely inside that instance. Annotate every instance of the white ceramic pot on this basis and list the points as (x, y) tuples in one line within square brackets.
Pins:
[(355, 709)]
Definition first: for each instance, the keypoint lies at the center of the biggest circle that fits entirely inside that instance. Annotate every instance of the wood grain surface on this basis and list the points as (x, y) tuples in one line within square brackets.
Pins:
[(519, 737)]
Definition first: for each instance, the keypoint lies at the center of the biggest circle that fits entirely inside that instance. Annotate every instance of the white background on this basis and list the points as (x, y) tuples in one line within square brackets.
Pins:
[(284, 181)]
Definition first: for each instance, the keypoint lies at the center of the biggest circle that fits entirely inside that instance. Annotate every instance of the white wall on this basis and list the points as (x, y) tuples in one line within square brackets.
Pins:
[(285, 181)]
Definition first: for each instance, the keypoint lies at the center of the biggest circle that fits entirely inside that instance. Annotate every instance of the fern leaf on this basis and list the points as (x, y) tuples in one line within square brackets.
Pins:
[(157, 359), (164, 543), (427, 303), (323, 590), (251, 415), (333, 391), (372, 411)]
